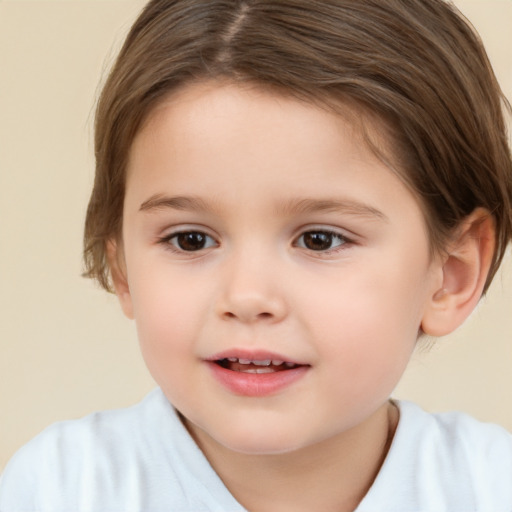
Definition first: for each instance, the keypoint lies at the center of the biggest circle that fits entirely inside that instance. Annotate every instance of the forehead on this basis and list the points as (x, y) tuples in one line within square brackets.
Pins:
[(199, 109), (243, 154)]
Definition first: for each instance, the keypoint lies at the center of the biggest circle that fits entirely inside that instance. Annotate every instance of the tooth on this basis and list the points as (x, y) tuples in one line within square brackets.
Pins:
[(289, 365), (276, 362), (265, 362), (258, 370), (244, 361), (232, 359)]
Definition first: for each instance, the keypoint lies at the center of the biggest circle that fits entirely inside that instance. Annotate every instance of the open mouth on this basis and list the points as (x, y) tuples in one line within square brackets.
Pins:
[(236, 364), (256, 375)]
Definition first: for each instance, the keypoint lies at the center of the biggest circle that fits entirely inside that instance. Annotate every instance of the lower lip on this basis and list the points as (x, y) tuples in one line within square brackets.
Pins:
[(257, 384)]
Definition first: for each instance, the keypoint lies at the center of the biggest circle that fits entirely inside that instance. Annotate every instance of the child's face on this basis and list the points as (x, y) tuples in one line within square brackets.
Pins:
[(297, 244)]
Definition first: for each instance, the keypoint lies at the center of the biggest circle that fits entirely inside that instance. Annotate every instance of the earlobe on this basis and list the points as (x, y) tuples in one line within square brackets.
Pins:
[(119, 278), (464, 269)]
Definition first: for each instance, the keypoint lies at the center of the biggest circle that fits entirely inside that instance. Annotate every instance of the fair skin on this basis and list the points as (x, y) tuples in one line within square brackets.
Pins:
[(257, 227)]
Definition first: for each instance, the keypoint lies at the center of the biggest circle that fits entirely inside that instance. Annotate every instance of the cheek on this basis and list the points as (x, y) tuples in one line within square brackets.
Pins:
[(369, 325), (169, 310)]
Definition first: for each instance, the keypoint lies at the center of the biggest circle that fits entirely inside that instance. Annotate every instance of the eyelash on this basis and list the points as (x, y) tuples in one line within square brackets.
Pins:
[(332, 235), (167, 241)]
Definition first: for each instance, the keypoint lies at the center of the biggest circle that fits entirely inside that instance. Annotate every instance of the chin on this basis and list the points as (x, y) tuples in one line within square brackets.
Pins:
[(261, 447), (254, 431), (270, 441)]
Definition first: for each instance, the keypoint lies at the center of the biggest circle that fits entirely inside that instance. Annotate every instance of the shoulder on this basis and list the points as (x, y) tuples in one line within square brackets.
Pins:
[(457, 437), (93, 434), (69, 457), (128, 460), (445, 462)]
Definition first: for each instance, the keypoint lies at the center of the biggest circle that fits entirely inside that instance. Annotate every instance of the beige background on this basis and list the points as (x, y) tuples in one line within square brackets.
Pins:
[(66, 350)]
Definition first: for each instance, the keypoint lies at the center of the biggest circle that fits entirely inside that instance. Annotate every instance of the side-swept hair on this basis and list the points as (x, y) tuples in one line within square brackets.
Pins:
[(416, 64)]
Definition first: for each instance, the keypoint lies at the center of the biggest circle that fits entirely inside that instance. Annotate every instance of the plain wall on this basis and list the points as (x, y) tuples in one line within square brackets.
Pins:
[(66, 349)]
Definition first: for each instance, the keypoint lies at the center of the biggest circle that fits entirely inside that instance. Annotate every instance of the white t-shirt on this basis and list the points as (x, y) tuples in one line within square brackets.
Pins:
[(142, 459)]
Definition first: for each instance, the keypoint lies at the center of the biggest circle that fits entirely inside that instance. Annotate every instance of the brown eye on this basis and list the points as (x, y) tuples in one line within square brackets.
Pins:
[(320, 240), (191, 241)]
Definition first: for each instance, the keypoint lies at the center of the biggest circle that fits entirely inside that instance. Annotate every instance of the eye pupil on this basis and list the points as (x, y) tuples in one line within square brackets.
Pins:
[(191, 241), (318, 240)]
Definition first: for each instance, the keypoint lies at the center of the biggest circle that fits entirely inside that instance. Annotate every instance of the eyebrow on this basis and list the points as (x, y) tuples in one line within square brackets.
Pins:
[(345, 206), (161, 202), (291, 207)]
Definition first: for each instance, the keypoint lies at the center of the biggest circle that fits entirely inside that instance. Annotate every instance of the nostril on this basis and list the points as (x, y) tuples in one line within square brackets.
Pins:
[(250, 308), (259, 316)]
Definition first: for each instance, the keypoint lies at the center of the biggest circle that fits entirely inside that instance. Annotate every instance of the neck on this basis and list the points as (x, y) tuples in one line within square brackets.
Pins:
[(333, 475)]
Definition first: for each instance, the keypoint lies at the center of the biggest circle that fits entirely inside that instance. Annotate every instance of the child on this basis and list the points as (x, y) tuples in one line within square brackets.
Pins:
[(289, 195)]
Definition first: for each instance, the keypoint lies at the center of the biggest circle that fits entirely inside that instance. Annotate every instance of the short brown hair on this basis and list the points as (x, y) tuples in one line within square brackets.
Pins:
[(417, 64)]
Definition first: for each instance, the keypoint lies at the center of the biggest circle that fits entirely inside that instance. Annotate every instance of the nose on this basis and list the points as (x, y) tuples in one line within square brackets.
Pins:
[(252, 292)]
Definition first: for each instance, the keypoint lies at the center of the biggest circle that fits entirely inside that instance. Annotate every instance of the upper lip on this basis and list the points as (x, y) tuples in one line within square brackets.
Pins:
[(253, 355)]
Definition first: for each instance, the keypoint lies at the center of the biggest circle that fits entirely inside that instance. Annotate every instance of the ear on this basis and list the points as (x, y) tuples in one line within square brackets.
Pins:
[(117, 267), (464, 269)]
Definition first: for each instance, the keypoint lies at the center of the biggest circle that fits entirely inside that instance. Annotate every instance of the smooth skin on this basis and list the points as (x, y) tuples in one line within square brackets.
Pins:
[(258, 222)]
